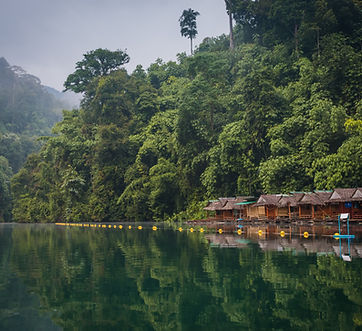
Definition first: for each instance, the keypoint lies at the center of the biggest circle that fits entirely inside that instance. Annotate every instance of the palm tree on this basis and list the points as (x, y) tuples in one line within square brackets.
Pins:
[(188, 24)]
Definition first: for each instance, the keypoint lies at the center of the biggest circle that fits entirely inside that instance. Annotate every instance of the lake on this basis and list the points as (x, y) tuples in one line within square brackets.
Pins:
[(75, 278)]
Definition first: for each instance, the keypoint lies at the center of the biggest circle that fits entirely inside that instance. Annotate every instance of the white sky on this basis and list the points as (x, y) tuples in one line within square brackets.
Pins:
[(47, 37)]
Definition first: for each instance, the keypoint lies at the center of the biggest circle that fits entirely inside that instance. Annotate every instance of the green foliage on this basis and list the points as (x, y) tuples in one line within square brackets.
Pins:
[(280, 113), (188, 24), (5, 196), (342, 168), (99, 62), (27, 111)]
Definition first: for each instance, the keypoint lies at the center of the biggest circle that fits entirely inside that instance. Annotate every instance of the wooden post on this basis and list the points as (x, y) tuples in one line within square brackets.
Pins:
[(289, 213)]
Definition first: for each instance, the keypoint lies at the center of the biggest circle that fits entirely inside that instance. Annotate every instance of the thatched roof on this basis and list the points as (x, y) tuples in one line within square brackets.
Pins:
[(245, 198), (357, 196), (314, 198), (268, 200), (342, 194), (213, 205), (291, 200), (221, 204), (317, 198), (227, 203), (324, 196)]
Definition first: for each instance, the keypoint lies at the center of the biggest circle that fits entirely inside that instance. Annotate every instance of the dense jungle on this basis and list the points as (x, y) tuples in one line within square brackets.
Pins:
[(273, 107)]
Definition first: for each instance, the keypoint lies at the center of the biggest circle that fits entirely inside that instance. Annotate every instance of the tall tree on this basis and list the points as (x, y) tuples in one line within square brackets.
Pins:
[(188, 24), (229, 4), (99, 62)]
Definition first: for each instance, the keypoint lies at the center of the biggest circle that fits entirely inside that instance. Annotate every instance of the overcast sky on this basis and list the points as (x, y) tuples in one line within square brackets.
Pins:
[(47, 37)]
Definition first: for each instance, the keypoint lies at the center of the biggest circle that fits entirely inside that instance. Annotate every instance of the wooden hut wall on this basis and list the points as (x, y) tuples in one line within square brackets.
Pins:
[(354, 209), (320, 212), (333, 210), (357, 210), (305, 211), (253, 212), (227, 214), (261, 210), (218, 214), (283, 211), (271, 211)]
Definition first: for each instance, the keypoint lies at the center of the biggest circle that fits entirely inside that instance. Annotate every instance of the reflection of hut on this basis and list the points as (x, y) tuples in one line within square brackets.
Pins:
[(314, 205), (267, 206), (225, 241), (346, 200)]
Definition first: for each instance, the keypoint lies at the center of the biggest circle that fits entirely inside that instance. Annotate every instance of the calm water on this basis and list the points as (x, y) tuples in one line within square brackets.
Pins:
[(61, 278)]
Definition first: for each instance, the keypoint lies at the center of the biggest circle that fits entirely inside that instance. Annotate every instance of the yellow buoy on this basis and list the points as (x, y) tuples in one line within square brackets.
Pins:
[(220, 231), (202, 230), (306, 234), (260, 232), (104, 226), (239, 232), (121, 226), (282, 233), (154, 228), (336, 235), (180, 229), (191, 229), (115, 226), (139, 227), (109, 226), (129, 227)]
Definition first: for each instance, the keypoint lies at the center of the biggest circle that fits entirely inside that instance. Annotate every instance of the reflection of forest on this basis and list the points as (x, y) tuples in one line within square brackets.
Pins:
[(19, 309), (166, 280)]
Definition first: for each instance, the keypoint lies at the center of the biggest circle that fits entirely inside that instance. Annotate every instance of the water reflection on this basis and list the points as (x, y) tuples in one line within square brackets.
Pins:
[(111, 279), (299, 239)]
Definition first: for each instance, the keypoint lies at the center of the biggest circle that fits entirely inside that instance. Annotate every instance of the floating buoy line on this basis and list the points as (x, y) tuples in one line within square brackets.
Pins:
[(239, 230)]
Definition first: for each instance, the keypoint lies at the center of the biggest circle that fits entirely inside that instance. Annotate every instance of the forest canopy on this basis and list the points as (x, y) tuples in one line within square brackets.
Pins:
[(280, 112), (27, 111)]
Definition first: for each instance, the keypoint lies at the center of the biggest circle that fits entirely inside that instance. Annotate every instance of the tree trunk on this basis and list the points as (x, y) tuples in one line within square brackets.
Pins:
[(318, 46), (231, 30), (191, 46), (296, 40)]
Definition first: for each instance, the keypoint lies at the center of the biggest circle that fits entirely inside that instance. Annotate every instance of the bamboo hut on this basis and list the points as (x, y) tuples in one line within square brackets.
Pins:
[(266, 206), (288, 205), (213, 210), (241, 204), (228, 210), (221, 209), (317, 205), (314, 205), (346, 200)]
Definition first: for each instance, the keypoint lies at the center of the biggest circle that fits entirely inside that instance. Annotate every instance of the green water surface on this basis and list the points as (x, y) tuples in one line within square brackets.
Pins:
[(62, 278)]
